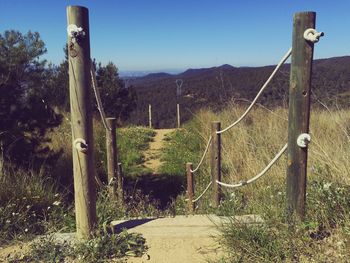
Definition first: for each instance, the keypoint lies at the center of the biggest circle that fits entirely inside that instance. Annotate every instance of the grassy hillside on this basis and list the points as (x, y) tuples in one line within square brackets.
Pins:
[(217, 86)]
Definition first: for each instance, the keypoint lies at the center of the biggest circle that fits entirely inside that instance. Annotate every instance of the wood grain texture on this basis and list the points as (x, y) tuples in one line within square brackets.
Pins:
[(299, 113), (81, 119), (215, 162), (190, 187)]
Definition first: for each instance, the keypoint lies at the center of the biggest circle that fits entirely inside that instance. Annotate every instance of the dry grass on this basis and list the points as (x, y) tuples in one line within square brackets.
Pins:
[(247, 149), (250, 145)]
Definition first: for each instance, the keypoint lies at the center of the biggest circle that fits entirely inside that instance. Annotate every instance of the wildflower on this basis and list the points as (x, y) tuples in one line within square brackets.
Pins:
[(28, 206), (26, 230), (326, 186), (49, 207), (57, 195), (56, 203)]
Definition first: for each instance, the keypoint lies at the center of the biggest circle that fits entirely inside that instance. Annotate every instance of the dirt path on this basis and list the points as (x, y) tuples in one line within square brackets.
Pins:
[(152, 155)]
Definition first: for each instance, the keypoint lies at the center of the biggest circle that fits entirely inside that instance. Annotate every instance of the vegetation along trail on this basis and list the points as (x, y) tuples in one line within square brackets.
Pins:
[(152, 155)]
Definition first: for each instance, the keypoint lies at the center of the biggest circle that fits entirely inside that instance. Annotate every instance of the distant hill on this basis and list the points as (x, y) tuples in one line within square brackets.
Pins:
[(214, 87)]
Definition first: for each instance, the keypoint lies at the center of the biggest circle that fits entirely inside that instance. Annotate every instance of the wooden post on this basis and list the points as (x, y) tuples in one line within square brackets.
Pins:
[(215, 162), (120, 189), (150, 115), (190, 187), (299, 113), (112, 156), (178, 115), (81, 119)]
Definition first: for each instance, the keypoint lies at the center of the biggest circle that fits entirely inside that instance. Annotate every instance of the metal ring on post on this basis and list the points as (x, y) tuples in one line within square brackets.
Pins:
[(303, 140), (312, 35), (81, 145)]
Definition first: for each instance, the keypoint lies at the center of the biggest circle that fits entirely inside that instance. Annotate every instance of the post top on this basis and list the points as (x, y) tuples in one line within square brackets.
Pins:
[(305, 13), (77, 7)]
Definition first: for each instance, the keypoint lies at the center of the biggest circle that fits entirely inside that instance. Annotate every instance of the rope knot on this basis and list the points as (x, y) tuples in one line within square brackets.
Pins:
[(81, 145), (303, 140), (312, 35), (76, 33)]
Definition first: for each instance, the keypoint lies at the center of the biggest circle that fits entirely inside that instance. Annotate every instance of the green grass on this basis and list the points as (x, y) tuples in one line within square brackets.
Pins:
[(30, 204), (180, 146), (132, 142)]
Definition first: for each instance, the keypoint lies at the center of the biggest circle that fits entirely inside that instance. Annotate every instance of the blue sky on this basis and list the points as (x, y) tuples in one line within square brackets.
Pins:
[(179, 34)]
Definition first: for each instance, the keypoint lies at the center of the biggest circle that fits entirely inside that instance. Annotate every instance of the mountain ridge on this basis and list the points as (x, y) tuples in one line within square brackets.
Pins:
[(214, 87)]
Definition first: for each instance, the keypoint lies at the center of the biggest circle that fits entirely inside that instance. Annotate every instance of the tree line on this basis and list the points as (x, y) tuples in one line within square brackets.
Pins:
[(217, 86), (34, 93)]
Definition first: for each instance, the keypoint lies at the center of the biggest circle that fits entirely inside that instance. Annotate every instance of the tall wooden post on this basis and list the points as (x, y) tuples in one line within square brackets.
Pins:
[(81, 119), (215, 162), (150, 115), (112, 156), (190, 187), (178, 115), (299, 113)]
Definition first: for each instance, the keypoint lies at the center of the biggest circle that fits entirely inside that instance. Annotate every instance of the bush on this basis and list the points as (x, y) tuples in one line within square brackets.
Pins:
[(29, 205)]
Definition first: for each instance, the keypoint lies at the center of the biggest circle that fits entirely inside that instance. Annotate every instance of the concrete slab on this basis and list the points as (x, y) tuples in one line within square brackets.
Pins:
[(182, 238)]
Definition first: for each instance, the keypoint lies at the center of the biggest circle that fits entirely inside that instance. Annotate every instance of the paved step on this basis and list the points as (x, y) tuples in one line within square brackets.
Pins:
[(181, 238)]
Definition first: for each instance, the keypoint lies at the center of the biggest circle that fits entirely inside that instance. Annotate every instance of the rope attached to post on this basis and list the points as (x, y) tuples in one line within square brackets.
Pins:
[(203, 193), (98, 97), (285, 57), (274, 160), (205, 152)]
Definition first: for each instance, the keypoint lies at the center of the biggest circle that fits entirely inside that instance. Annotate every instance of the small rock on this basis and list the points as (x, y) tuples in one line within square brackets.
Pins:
[(146, 257)]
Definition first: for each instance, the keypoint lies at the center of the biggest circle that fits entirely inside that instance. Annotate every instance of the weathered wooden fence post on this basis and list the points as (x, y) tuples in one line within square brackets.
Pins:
[(299, 113), (150, 115), (190, 187), (215, 162), (81, 119), (112, 156), (178, 115)]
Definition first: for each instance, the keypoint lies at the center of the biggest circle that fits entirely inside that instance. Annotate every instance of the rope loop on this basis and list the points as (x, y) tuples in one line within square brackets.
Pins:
[(205, 152), (285, 57), (242, 183), (98, 97), (81, 145), (203, 193), (312, 35)]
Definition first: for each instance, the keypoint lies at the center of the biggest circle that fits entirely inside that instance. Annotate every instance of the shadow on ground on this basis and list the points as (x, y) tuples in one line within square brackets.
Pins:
[(129, 224), (161, 188)]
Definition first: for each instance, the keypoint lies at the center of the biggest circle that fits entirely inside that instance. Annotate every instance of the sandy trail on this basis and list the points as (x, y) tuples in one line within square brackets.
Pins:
[(152, 155)]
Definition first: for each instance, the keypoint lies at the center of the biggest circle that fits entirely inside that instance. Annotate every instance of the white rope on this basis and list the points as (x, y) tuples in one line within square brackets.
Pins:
[(205, 152), (199, 197), (285, 57), (260, 174), (98, 97)]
